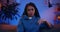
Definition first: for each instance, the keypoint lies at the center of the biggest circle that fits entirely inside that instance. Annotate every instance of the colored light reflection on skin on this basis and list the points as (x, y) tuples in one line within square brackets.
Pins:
[(58, 17)]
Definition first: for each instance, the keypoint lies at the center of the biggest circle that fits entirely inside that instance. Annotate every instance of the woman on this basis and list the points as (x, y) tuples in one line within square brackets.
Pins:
[(30, 20)]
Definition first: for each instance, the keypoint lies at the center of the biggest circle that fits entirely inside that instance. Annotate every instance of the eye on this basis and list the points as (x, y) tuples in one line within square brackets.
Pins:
[(28, 10)]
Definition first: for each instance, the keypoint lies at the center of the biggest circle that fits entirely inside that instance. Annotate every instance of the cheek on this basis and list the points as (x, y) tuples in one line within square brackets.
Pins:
[(28, 12), (33, 12)]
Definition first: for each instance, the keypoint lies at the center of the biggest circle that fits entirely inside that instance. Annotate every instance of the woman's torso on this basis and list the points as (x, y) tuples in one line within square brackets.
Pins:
[(30, 25)]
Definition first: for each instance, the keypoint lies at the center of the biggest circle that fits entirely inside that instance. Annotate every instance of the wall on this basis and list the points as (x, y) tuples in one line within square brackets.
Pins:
[(44, 11)]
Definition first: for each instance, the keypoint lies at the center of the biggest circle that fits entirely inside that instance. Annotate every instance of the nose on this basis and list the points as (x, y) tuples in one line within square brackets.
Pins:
[(31, 11)]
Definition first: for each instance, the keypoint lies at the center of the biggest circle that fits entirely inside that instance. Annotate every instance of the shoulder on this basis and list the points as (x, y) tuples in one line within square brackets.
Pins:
[(23, 17)]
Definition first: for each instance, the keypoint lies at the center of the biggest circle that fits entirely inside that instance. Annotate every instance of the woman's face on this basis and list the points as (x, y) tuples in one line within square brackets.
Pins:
[(30, 11)]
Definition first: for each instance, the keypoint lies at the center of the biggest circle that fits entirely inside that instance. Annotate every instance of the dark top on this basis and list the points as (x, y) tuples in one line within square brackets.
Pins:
[(29, 25)]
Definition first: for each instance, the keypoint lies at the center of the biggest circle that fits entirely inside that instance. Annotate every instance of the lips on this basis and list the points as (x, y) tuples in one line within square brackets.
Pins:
[(31, 14)]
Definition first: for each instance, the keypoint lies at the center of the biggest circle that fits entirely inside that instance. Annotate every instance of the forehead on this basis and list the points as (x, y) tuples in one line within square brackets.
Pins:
[(30, 7)]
